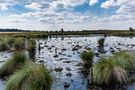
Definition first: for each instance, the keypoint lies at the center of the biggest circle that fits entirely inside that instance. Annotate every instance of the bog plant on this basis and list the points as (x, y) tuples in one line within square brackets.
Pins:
[(101, 42), (87, 57), (18, 59), (125, 59), (32, 48), (4, 45), (19, 44), (114, 70), (107, 72), (30, 77)]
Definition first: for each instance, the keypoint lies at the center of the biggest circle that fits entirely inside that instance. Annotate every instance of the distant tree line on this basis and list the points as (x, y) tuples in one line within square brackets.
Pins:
[(13, 30)]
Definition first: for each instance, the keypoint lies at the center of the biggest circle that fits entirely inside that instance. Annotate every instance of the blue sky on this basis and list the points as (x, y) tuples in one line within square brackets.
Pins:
[(67, 14)]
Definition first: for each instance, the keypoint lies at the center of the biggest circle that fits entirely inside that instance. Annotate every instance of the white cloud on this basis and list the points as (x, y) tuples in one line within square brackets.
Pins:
[(108, 4), (33, 5), (92, 2)]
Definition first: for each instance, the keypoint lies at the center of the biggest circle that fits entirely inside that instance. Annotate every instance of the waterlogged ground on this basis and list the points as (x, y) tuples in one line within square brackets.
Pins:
[(61, 55)]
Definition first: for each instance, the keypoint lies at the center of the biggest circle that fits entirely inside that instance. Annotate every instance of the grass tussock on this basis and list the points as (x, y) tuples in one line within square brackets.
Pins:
[(19, 44), (18, 59), (125, 59), (87, 55), (4, 44), (101, 42), (31, 48), (107, 72), (114, 70), (30, 77)]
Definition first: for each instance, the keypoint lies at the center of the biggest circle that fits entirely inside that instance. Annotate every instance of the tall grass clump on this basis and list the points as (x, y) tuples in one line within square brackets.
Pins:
[(18, 59), (101, 45), (19, 44), (32, 48), (101, 42), (30, 77), (125, 59), (114, 70), (107, 73), (10, 41), (87, 57), (4, 45)]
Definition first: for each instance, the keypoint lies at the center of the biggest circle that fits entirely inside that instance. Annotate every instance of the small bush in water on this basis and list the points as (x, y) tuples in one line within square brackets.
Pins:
[(30, 77), (87, 55), (101, 42)]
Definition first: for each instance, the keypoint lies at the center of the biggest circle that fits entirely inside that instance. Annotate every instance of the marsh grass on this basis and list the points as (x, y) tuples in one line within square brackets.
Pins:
[(101, 42), (125, 59), (32, 48), (30, 77), (19, 44), (4, 44), (107, 73), (87, 57), (18, 59), (114, 70)]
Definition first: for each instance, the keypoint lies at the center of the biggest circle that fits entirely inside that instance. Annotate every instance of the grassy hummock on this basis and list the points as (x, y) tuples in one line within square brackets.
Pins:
[(30, 77), (114, 70), (18, 59)]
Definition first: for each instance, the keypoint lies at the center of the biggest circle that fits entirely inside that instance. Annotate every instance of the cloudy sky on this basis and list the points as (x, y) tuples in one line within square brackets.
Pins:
[(69, 14)]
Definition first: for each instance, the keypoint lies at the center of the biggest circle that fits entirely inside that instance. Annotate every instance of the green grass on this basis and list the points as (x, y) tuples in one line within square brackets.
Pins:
[(107, 72), (31, 48), (19, 44), (114, 70), (4, 44), (30, 77), (125, 59), (101, 42), (87, 55), (18, 59)]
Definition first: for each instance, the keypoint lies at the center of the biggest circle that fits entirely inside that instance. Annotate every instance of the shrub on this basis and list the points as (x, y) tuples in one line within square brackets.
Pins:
[(17, 60), (30, 77)]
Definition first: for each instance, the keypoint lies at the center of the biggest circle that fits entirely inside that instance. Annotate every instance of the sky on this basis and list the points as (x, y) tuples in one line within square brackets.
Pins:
[(68, 14)]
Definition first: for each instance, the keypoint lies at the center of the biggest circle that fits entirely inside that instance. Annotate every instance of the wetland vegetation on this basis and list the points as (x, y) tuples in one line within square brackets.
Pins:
[(33, 65)]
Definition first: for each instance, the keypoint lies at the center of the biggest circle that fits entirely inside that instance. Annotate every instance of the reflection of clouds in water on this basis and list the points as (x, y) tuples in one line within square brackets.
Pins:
[(111, 44)]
